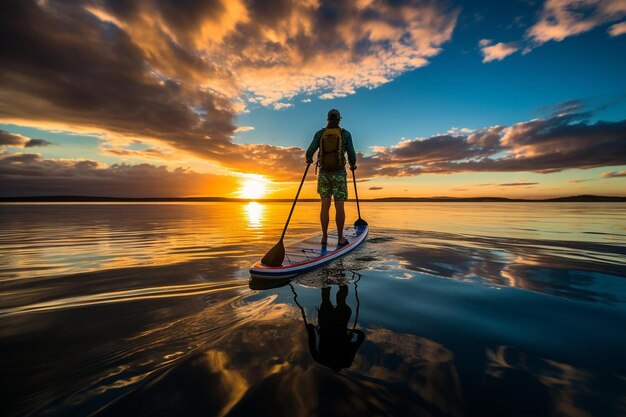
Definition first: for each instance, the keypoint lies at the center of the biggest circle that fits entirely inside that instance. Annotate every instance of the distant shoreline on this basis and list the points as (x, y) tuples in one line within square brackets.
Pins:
[(88, 199)]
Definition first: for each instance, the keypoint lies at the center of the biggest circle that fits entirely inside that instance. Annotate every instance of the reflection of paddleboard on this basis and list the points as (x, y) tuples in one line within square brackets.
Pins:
[(309, 254)]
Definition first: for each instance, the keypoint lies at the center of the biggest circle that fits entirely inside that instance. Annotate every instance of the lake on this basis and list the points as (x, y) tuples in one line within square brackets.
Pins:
[(448, 309)]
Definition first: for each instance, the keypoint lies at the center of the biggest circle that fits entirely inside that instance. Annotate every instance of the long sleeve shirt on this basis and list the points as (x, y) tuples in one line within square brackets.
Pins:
[(348, 148)]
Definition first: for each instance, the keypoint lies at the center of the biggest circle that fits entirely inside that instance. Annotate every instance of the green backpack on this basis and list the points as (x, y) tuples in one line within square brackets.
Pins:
[(331, 155)]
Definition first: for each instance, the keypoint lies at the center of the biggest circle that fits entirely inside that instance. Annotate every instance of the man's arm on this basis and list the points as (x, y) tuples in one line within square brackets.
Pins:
[(349, 146), (315, 144)]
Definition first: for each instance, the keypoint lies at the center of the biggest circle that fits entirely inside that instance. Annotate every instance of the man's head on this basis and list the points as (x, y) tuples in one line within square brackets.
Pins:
[(333, 114)]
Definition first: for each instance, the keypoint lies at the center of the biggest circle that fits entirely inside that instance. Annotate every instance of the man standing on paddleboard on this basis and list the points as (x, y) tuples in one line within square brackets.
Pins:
[(333, 143)]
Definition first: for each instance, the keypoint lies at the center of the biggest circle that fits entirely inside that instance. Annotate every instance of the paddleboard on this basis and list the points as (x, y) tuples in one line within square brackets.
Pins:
[(309, 254)]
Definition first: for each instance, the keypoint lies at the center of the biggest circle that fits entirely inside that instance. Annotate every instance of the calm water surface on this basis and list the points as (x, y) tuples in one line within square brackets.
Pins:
[(447, 310)]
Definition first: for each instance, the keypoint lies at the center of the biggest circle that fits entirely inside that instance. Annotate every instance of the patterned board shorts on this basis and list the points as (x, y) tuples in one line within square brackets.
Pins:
[(332, 185)]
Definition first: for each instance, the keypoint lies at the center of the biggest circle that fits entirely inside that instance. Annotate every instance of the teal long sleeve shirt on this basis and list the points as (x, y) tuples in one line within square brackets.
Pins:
[(348, 148)]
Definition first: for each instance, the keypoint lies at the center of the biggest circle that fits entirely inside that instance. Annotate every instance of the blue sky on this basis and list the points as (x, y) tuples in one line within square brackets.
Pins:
[(129, 107)]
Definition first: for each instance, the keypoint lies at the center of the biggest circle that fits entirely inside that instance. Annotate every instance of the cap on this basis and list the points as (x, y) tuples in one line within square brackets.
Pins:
[(334, 112)]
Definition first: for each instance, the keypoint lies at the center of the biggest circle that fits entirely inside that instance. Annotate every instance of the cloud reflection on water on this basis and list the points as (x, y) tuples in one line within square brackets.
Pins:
[(570, 269)]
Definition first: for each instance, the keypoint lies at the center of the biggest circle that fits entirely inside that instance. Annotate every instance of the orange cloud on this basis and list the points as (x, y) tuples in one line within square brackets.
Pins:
[(498, 51), (563, 18), (617, 29)]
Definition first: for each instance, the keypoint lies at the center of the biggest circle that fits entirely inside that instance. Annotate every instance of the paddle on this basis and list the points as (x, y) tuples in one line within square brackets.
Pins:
[(359, 221), (276, 255)]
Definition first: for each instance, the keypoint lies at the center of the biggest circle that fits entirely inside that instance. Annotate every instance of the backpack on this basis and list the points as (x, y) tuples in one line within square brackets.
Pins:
[(331, 155)]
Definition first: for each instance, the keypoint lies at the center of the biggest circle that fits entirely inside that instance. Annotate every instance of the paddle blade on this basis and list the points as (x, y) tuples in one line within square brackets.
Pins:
[(275, 256), (360, 222)]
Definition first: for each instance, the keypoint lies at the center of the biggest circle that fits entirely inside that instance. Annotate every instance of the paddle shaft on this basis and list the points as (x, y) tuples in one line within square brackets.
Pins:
[(295, 201), (356, 194)]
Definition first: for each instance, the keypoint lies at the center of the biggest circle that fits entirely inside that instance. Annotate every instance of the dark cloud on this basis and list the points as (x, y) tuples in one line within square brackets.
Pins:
[(68, 68), (564, 107), (37, 142), (517, 184), (560, 142), (71, 69), (31, 175), (376, 188), (21, 141), (614, 174)]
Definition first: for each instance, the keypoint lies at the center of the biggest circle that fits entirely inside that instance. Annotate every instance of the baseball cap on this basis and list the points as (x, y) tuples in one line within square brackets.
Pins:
[(334, 112)]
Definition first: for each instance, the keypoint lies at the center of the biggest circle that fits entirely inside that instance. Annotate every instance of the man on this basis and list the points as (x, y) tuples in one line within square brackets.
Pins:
[(333, 143)]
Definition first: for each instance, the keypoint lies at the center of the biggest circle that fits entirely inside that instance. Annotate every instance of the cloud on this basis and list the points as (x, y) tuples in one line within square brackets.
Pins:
[(242, 129), (376, 188), (459, 130), (284, 50), (70, 69), (614, 174), (498, 51), (559, 142), (131, 153), (562, 141), (179, 73), (617, 29), (29, 174), (517, 184), (20, 141), (36, 143), (280, 106), (560, 19)]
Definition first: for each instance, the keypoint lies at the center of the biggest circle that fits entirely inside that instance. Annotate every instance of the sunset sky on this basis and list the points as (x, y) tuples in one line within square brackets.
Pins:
[(164, 98)]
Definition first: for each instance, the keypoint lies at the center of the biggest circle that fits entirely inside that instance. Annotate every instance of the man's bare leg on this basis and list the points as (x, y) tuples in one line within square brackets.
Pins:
[(325, 219), (340, 219)]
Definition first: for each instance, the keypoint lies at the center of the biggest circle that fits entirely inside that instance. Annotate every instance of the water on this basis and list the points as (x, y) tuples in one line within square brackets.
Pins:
[(447, 310)]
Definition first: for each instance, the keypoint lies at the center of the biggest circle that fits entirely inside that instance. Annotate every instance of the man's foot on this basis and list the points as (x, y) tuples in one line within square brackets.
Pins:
[(324, 240), (342, 241)]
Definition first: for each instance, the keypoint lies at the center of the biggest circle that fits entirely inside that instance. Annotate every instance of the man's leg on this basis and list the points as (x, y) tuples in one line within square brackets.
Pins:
[(340, 218), (325, 218), (340, 194)]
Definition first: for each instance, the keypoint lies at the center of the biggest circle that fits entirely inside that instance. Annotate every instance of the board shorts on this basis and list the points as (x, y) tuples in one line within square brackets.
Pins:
[(334, 185)]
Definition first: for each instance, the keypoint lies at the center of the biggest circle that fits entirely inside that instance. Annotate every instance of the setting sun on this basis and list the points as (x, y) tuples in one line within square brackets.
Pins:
[(253, 187)]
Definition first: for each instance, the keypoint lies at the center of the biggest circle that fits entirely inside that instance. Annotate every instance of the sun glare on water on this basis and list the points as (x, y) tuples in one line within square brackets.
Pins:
[(253, 187)]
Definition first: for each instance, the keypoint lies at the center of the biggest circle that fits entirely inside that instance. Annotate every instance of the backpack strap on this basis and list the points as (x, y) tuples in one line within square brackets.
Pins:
[(317, 163), (340, 146)]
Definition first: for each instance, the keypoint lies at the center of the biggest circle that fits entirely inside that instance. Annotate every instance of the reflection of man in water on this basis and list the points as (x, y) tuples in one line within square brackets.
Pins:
[(336, 349)]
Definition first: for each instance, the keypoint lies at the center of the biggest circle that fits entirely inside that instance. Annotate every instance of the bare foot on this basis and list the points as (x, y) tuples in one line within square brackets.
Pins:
[(342, 241), (324, 240)]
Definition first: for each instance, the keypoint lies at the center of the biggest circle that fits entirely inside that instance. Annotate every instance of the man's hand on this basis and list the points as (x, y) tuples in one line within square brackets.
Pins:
[(352, 167), (309, 161)]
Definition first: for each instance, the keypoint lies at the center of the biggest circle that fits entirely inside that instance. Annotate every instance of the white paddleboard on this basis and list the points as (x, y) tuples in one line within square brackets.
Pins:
[(309, 254)]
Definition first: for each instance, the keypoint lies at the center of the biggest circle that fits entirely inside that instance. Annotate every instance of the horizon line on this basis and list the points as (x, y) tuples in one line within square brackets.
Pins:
[(80, 198)]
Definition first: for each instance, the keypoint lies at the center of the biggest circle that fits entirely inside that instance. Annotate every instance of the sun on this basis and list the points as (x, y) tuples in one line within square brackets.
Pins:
[(253, 187)]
